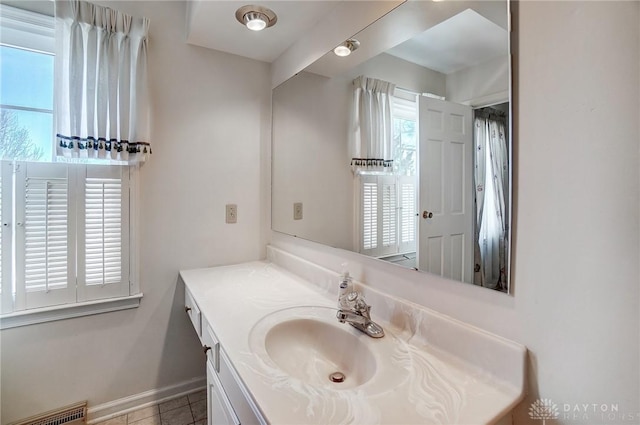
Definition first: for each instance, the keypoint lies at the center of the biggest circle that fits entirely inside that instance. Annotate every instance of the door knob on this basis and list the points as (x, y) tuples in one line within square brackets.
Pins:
[(427, 214)]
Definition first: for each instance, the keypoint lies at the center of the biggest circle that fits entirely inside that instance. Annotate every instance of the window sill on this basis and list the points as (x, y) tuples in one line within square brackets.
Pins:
[(67, 311)]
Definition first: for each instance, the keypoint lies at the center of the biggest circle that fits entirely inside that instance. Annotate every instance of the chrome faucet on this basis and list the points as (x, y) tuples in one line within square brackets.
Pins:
[(352, 309)]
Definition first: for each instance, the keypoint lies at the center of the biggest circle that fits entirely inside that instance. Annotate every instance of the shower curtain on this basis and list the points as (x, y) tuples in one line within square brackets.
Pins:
[(491, 179)]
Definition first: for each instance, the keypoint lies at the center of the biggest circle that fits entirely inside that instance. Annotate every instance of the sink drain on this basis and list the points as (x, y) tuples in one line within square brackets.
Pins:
[(337, 377)]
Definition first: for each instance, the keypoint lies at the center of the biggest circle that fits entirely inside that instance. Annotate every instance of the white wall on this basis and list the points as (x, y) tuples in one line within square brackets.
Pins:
[(310, 121), (577, 218), (482, 84), (210, 135), (403, 74), (577, 247)]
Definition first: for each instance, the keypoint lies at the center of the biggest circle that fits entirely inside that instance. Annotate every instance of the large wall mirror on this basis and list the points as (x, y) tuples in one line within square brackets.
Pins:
[(402, 150)]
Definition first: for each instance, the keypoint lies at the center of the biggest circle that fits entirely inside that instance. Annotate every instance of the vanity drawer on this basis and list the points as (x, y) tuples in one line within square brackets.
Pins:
[(211, 345), (193, 311), (242, 403)]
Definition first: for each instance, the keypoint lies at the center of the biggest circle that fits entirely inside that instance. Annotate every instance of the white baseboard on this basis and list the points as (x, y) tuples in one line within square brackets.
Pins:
[(122, 406)]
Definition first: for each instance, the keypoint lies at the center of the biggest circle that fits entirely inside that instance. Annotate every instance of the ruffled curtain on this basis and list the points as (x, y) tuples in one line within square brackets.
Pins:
[(372, 148), (101, 95), (491, 184)]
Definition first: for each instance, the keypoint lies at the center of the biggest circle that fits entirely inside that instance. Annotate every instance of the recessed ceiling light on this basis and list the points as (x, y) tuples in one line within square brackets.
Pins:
[(347, 47), (256, 18)]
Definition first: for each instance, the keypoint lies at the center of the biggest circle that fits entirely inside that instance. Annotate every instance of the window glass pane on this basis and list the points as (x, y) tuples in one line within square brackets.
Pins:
[(26, 135), (26, 78), (405, 142)]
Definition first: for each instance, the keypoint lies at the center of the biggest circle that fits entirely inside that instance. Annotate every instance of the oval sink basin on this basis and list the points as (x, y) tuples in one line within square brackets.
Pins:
[(311, 350), (310, 345)]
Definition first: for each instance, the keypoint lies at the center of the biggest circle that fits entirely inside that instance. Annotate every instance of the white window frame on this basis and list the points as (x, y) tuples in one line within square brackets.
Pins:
[(27, 30), (6, 239), (33, 31)]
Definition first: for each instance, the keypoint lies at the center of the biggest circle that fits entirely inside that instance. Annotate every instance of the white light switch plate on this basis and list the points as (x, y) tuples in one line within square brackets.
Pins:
[(232, 213), (297, 211)]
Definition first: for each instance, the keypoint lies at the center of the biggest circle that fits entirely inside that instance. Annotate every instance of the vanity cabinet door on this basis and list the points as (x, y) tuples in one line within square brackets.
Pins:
[(240, 398), (219, 409)]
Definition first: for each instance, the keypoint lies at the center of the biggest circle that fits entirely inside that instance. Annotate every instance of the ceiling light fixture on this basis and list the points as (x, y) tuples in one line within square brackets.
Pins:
[(256, 18), (347, 47)]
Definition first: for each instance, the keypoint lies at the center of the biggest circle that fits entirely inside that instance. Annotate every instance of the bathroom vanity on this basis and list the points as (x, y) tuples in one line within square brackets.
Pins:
[(273, 347)]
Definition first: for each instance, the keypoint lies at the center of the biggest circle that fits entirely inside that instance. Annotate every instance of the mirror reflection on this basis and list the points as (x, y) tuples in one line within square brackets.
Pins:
[(401, 150)]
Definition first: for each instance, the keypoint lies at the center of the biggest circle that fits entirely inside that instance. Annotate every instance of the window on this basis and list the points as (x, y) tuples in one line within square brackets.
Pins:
[(26, 85), (405, 137), (388, 202), (66, 228)]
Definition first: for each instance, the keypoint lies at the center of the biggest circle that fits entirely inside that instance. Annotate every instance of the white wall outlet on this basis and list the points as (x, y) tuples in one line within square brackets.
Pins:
[(232, 213), (297, 211)]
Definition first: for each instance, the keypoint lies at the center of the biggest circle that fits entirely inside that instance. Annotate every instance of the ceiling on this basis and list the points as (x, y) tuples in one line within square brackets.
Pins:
[(461, 41), (456, 36), (445, 36), (213, 24)]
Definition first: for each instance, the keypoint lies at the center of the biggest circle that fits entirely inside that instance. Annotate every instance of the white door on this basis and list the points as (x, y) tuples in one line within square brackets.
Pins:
[(446, 202)]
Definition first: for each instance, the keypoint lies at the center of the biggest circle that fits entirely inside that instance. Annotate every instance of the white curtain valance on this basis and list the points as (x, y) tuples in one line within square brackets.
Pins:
[(372, 148), (101, 94)]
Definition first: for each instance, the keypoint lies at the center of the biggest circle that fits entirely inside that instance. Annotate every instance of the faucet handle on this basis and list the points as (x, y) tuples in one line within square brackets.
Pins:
[(361, 305), (363, 309), (348, 300), (355, 302)]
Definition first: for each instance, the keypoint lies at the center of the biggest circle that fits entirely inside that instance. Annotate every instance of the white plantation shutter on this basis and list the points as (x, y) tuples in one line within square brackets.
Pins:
[(103, 230), (72, 234), (389, 213), (378, 215), (45, 224), (46, 233), (369, 214), (103, 233), (408, 210)]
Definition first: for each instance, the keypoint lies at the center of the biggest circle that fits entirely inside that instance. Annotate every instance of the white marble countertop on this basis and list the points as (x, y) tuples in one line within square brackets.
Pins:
[(440, 387)]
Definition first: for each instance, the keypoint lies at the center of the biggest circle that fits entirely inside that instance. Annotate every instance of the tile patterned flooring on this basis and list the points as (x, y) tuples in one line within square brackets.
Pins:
[(186, 410)]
